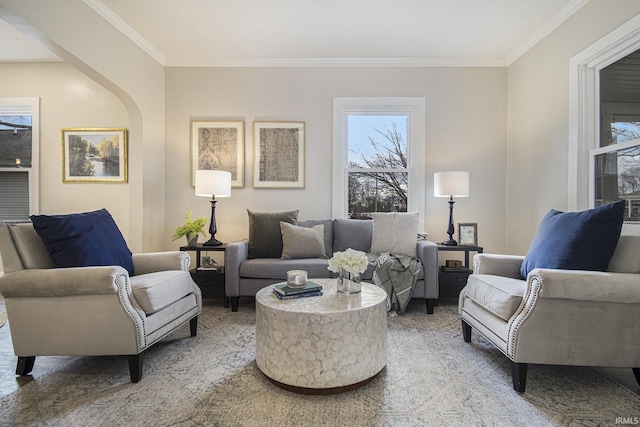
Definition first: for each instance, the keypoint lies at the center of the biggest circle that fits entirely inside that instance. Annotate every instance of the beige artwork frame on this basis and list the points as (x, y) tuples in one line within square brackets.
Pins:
[(279, 154), (94, 155), (218, 145)]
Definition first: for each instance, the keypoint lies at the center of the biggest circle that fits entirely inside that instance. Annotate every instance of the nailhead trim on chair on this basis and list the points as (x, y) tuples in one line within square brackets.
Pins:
[(522, 315), (125, 295)]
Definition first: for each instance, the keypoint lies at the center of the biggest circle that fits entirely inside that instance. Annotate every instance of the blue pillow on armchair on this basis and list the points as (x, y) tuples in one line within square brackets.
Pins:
[(576, 240), (83, 239)]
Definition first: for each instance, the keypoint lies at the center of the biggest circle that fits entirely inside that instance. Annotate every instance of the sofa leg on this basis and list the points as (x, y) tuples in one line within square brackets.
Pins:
[(25, 365), (466, 331), (234, 303), (430, 304), (636, 373), (135, 367), (193, 326), (519, 376)]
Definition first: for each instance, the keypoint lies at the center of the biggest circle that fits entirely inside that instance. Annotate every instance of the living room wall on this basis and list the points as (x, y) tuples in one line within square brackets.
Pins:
[(465, 130), (538, 117), (68, 98)]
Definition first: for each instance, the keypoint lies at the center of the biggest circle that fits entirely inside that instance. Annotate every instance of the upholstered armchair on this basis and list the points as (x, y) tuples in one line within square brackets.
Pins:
[(90, 311), (557, 316)]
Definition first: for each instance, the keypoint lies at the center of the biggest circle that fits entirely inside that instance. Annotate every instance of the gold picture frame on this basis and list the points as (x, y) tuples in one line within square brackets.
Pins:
[(94, 155), (279, 154), (218, 145), (468, 233)]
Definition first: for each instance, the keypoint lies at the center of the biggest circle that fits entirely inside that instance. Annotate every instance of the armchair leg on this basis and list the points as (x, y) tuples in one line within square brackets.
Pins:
[(135, 367), (466, 331), (234, 303), (636, 373), (25, 365), (193, 325), (430, 304), (519, 376)]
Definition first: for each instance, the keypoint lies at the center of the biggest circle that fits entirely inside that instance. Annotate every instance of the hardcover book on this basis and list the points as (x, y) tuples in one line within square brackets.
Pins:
[(283, 289), (301, 295)]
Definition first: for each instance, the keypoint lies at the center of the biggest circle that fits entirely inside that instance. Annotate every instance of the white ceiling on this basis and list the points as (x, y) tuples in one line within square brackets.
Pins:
[(322, 32)]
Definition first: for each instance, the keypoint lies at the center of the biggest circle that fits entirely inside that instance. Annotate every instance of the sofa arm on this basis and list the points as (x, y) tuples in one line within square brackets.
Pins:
[(498, 265), (583, 285), (62, 282), (428, 255), (235, 254), (152, 262)]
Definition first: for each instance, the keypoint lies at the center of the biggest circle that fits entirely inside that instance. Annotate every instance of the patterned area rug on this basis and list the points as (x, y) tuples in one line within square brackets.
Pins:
[(432, 378), (3, 319)]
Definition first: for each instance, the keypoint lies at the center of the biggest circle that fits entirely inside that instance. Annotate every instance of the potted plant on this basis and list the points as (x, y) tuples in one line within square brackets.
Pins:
[(191, 229)]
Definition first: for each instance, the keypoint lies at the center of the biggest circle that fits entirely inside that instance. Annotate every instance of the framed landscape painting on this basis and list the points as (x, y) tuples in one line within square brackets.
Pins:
[(218, 145), (94, 155), (278, 154)]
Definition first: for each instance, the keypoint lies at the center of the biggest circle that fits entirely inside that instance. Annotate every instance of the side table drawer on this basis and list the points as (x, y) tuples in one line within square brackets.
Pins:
[(451, 283), (211, 283)]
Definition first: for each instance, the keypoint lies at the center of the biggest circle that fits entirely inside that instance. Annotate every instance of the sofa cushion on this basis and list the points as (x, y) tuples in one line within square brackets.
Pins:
[(265, 237), (155, 291), (328, 232), (498, 294), (395, 233), (302, 242), (576, 240), (271, 268), (83, 239), (352, 233)]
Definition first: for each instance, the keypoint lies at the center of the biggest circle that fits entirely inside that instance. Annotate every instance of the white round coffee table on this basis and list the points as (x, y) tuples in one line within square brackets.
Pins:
[(324, 344)]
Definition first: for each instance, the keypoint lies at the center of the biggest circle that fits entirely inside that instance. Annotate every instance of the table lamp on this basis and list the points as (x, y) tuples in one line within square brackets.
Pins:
[(212, 183), (451, 184)]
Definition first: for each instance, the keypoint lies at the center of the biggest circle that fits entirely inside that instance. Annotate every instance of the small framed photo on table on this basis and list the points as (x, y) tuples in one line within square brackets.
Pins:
[(468, 233)]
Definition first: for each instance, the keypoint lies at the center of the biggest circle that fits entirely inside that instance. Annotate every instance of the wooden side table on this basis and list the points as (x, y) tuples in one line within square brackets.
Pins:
[(211, 283), (452, 280)]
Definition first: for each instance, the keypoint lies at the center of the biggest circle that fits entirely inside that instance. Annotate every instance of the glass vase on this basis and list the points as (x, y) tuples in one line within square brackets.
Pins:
[(349, 283)]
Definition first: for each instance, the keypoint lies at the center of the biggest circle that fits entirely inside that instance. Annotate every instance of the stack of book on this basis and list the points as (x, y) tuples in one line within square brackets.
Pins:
[(311, 289)]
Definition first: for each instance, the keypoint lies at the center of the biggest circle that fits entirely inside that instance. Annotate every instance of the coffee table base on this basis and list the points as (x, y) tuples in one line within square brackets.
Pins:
[(322, 391)]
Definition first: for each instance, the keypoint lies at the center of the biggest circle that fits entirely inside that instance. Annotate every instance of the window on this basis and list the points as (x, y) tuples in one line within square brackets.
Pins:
[(19, 141), (379, 156)]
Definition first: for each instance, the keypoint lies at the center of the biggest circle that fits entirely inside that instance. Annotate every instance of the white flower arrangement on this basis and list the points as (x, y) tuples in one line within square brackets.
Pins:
[(355, 262)]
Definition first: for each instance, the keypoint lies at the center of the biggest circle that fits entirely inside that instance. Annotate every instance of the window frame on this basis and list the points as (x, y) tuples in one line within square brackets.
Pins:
[(415, 110), (24, 106)]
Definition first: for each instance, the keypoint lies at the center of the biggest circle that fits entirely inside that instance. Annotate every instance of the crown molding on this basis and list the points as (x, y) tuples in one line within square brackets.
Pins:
[(126, 29), (545, 30), (336, 62)]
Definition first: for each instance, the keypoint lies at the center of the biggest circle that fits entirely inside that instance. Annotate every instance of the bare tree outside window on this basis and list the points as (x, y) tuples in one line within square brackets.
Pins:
[(378, 167)]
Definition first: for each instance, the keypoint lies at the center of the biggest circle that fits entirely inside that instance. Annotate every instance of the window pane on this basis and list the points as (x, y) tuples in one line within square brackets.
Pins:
[(15, 141), (377, 192), (377, 141), (617, 176), (14, 193), (624, 131)]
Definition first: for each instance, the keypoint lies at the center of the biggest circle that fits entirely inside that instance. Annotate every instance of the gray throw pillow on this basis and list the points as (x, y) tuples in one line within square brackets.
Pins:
[(302, 242), (265, 238)]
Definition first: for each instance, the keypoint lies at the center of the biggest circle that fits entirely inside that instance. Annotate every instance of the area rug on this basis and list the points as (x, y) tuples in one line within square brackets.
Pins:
[(3, 319), (432, 378)]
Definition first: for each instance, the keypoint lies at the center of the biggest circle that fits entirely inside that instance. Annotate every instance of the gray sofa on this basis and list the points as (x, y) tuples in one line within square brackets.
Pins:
[(245, 277)]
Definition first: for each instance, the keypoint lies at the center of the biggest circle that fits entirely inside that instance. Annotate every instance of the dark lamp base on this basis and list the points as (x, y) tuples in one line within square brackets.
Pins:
[(213, 242), (449, 242)]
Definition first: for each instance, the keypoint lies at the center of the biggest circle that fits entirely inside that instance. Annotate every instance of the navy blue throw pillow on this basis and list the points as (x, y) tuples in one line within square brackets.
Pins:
[(83, 239), (576, 240)]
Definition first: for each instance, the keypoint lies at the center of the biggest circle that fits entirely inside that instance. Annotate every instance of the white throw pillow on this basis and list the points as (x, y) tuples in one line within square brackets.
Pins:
[(396, 233)]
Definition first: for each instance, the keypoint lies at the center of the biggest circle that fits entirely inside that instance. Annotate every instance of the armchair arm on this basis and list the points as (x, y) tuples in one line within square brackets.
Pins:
[(498, 265), (236, 253), (62, 282), (152, 262), (580, 285)]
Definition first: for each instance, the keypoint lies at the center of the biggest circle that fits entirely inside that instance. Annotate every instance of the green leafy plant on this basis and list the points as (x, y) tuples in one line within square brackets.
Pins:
[(190, 228)]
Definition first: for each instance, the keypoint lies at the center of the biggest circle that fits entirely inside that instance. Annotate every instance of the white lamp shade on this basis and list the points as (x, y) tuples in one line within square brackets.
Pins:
[(455, 183), (213, 183)]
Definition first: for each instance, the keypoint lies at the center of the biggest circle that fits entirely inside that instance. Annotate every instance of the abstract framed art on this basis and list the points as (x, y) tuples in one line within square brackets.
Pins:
[(218, 145), (94, 155), (278, 154)]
